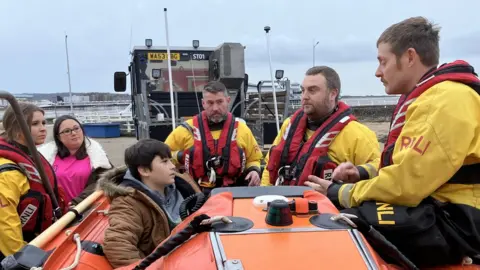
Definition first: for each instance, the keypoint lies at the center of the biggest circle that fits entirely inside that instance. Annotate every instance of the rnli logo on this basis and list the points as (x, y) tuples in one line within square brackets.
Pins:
[(385, 214), (327, 174), (27, 214), (418, 144)]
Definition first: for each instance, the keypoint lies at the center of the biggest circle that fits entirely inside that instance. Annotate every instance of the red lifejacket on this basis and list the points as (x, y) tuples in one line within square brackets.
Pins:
[(458, 71), (223, 155), (35, 207), (294, 159)]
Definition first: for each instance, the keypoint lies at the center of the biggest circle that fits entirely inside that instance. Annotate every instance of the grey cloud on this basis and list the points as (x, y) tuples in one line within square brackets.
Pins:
[(287, 50), (462, 46)]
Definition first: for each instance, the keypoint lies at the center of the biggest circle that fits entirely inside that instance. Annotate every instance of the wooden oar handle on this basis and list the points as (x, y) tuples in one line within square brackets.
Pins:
[(52, 231)]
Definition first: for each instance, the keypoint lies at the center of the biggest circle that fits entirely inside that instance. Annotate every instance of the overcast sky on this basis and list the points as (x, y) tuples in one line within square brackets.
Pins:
[(32, 55)]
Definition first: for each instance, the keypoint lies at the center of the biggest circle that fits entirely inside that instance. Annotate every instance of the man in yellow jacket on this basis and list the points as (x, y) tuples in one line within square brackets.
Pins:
[(215, 147), (426, 197), (320, 135)]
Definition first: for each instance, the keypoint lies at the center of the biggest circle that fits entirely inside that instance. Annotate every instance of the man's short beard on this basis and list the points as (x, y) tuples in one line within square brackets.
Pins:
[(218, 119), (324, 110)]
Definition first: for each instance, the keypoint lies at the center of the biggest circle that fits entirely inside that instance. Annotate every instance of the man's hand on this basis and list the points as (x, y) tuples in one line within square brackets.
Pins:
[(318, 184), (253, 178), (346, 172)]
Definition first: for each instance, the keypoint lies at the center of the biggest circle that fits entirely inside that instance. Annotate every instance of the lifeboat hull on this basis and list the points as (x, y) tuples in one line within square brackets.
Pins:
[(301, 245)]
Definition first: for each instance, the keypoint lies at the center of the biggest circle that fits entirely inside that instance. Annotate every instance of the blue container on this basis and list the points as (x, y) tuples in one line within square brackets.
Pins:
[(102, 130)]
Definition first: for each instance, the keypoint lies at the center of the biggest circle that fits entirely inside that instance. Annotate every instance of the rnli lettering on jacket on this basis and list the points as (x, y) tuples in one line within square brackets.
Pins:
[(35, 207), (294, 158), (458, 71), (210, 158)]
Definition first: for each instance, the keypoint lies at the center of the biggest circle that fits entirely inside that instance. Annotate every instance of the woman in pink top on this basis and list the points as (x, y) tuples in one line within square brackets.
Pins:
[(76, 159)]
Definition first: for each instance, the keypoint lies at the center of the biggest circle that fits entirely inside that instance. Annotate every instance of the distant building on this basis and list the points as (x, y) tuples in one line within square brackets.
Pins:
[(24, 96), (77, 99)]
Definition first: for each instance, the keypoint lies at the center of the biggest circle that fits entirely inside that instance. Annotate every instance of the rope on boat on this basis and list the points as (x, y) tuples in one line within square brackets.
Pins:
[(76, 238), (212, 220), (345, 217), (191, 204), (200, 223), (105, 212)]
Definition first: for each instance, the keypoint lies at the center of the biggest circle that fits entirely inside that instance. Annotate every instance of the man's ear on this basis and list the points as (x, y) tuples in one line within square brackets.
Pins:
[(334, 93), (412, 56)]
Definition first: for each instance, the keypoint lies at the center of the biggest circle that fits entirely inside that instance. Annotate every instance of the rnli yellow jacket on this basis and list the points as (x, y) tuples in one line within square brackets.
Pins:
[(355, 143), (181, 139), (13, 185), (444, 124)]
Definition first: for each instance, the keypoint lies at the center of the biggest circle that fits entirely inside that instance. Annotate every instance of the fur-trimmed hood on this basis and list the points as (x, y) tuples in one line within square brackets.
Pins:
[(109, 183), (98, 157)]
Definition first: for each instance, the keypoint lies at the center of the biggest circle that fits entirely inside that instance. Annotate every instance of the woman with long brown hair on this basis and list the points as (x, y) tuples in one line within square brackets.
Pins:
[(26, 208)]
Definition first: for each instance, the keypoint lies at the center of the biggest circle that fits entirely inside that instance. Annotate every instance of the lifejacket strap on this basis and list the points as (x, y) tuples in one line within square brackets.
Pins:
[(187, 127)]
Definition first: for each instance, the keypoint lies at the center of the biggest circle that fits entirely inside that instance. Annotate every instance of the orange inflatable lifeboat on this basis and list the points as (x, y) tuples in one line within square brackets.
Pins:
[(236, 228)]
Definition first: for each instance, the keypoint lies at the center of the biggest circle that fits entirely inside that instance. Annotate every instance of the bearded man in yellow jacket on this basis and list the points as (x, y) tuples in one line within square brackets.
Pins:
[(216, 148), (426, 197)]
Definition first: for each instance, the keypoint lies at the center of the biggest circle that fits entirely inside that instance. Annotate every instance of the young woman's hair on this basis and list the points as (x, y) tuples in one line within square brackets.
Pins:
[(10, 123), (63, 151)]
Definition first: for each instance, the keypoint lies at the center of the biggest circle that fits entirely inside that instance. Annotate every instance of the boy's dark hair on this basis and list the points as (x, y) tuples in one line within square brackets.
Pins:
[(142, 153)]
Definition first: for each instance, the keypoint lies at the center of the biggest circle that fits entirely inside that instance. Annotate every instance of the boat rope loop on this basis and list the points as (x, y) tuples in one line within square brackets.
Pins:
[(199, 224), (104, 212), (76, 238), (345, 217)]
